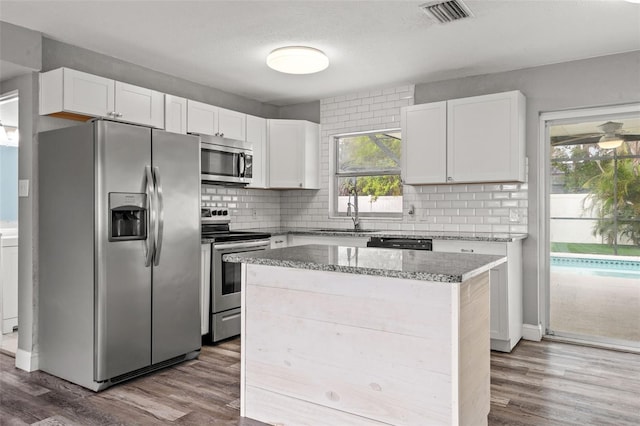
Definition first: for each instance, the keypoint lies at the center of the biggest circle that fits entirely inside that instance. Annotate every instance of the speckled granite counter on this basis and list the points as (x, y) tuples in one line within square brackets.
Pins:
[(436, 235), (408, 264)]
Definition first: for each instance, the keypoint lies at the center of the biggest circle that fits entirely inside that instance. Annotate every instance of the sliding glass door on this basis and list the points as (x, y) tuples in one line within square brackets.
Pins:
[(594, 229)]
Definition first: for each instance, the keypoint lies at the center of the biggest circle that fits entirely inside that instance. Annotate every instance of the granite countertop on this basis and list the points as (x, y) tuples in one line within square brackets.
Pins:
[(436, 235), (409, 264)]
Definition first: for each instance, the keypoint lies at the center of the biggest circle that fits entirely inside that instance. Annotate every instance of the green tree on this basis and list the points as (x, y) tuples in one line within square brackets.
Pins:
[(615, 196)]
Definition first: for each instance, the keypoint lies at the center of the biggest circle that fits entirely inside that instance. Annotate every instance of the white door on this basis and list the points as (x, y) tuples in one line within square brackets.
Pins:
[(424, 139), (138, 105), (257, 136), (286, 153), (175, 114), (202, 118), (232, 124), (88, 94)]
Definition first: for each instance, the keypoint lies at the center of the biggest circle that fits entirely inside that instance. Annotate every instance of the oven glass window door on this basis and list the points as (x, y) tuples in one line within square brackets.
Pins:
[(232, 273), (218, 163), (231, 277)]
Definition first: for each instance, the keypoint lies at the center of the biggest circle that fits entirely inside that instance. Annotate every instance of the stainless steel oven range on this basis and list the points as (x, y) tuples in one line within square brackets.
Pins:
[(223, 307)]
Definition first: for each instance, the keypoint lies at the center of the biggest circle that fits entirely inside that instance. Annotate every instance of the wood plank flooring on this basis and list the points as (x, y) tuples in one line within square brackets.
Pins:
[(545, 383)]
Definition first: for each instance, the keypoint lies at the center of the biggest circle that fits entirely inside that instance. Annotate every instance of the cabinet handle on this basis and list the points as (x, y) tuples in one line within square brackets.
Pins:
[(221, 135), (300, 185), (466, 250), (450, 179), (113, 113), (278, 242), (119, 114)]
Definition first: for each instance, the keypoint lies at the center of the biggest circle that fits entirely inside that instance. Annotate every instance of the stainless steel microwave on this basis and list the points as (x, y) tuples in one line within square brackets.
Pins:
[(225, 161)]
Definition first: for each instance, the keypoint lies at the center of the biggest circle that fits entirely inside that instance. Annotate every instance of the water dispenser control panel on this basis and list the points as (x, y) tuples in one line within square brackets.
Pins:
[(127, 216)]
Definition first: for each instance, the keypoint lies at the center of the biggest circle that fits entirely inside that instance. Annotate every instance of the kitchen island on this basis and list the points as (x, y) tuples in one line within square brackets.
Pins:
[(364, 336)]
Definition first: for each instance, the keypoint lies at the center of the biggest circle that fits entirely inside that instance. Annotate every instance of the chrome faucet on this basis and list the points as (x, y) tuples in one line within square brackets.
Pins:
[(355, 218)]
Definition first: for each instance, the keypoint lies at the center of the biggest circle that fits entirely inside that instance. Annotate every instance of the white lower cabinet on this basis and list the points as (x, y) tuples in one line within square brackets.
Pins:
[(9, 282), (506, 287), (205, 286), (349, 241)]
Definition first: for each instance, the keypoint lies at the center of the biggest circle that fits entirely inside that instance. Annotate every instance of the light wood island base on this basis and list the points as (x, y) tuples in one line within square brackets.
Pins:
[(335, 348)]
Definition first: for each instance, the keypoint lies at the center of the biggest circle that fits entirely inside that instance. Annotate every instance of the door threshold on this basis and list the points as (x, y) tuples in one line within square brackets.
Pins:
[(613, 346)]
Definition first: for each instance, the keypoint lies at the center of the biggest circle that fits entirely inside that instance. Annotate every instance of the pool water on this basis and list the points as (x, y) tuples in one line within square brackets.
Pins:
[(606, 266)]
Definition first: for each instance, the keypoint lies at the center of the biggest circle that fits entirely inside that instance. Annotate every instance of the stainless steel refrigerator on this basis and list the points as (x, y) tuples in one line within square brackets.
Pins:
[(119, 251)]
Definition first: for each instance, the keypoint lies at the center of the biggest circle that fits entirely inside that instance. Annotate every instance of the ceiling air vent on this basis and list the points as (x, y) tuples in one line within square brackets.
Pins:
[(446, 11)]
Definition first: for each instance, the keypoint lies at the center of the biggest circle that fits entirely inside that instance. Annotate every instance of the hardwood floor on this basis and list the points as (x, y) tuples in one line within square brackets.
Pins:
[(546, 383)]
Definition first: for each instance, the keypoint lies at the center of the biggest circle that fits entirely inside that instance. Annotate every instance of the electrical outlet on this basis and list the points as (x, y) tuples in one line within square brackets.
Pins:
[(254, 213), (514, 215)]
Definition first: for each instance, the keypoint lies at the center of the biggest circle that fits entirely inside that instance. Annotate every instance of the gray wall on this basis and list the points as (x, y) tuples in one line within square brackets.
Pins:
[(602, 81), (309, 111), (20, 46), (26, 85), (56, 54)]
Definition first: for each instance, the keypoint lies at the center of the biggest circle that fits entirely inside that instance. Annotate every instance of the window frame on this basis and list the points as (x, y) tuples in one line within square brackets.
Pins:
[(334, 176)]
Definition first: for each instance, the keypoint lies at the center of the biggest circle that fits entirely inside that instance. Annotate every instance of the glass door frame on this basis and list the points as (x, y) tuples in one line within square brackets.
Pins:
[(548, 119)]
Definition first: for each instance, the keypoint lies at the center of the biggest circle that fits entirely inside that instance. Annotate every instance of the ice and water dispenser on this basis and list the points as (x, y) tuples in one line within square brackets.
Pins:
[(128, 216)]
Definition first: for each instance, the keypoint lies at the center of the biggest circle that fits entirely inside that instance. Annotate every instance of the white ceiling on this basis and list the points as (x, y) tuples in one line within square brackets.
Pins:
[(370, 44)]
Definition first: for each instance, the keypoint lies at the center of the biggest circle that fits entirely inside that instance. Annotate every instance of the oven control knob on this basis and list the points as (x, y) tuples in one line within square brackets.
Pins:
[(214, 212), (224, 212)]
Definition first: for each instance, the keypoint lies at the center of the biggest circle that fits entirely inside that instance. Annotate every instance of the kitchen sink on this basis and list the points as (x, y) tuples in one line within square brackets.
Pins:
[(346, 231)]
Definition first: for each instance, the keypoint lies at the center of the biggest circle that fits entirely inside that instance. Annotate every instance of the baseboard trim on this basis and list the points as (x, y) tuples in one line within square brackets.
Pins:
[(532, 332), (27, 361)]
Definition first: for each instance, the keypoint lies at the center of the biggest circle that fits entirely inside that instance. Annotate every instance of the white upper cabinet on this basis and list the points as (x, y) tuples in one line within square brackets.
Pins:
[(139, 105), (424, 151), (232, 124), (202, 118), (257, 136), (486, 139), (64, 90), (175, 114), (293, 154), (477, 139), (206, 119), (77, 95)]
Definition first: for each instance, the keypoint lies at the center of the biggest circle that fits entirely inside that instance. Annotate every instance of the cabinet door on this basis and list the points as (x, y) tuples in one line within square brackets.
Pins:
[(486, 138), (424, 143), (499, 324), (257, 136), (175, 114), (232, 124), (202, 118), (139, 105), (286, 153), (88, 94)]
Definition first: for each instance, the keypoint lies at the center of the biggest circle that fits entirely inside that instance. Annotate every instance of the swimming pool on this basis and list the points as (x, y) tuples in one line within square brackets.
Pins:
[(606, 266)]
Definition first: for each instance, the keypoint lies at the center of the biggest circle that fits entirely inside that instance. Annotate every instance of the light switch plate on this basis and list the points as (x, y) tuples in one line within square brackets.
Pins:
[(23, 187)]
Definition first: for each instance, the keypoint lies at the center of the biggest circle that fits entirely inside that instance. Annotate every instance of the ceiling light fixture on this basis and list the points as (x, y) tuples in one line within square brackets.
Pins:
[(610, 139), (609, 142), (297, 60), (633, 1)]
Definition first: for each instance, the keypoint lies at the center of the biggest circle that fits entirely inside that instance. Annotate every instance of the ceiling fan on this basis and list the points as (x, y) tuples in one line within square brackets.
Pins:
[(610, 137)]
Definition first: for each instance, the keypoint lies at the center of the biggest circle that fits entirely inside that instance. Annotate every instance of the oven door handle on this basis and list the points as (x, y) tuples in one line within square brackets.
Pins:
[(253, 244)]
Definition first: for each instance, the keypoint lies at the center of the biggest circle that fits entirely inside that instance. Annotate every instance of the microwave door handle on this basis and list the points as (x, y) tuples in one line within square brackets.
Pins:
[(160, 215), (243, 166), (151, 213)]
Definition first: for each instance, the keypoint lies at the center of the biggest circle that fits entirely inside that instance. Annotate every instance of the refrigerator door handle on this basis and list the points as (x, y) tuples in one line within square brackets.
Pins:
[(151, 209), (160, 216)]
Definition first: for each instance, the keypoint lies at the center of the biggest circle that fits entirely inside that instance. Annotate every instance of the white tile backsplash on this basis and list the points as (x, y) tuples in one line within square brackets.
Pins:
[(495, 207)]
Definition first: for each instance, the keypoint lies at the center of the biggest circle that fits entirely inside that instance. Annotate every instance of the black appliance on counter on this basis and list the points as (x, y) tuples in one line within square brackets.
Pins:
[(221, 294), (401, 243)]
